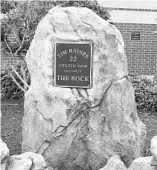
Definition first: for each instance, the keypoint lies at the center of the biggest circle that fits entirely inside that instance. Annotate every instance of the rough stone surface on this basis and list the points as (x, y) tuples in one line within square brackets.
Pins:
[(4, 154), (114, 163), (144, 163), (27, 161), (80, 128), (153, 147)]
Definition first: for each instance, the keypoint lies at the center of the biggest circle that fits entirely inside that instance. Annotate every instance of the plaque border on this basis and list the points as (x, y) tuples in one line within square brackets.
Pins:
[(91, 65)]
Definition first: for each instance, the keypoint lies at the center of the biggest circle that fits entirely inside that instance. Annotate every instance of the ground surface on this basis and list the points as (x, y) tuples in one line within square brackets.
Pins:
[(11, 128), (12, 114)]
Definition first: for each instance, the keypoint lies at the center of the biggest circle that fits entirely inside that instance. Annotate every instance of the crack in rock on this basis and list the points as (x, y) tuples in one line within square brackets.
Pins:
[(32, 165), (68, 15), (82, 128), (82, 107), (47, 119), (83, 93), (74, 91), (103, 97)]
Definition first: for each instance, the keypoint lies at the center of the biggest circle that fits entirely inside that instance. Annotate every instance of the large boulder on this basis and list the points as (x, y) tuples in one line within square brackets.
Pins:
[(76, 128)]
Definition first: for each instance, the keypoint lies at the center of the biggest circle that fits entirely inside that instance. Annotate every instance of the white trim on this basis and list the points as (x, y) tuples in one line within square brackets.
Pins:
[(136, 4), (143, 17)]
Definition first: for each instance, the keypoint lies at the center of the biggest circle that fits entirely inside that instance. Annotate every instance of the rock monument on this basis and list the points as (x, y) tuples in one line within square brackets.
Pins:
[(76, 127)]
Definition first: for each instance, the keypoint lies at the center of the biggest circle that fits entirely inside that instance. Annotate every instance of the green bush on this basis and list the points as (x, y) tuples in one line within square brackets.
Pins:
[(145, 92), (9, 89)]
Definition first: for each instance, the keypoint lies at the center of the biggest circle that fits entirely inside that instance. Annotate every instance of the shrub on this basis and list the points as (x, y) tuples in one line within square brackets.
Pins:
[(145, 92), (9, 89)]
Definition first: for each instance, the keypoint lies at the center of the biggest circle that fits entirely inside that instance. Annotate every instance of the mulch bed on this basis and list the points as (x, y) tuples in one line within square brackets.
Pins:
[(11, 125)]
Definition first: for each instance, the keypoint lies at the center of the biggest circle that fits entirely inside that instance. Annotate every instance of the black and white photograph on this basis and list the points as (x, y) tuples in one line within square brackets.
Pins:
[(78, 85)]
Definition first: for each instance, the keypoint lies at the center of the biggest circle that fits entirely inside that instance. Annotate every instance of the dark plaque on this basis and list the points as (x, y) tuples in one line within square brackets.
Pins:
[(135, 36), (73, 64)]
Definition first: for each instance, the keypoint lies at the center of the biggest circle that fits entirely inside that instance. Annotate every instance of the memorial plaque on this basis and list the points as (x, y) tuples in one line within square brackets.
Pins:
[(135, 36), (73, 64)]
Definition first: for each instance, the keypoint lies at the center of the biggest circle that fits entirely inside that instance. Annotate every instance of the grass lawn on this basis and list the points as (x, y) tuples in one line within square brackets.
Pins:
[(11, 130)]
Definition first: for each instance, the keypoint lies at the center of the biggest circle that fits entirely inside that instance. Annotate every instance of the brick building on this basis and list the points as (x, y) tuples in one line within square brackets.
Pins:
[(140, 47), (137, 22)]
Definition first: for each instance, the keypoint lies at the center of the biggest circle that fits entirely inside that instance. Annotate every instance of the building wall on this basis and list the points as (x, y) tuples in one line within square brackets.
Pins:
[(141, 54)]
